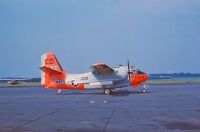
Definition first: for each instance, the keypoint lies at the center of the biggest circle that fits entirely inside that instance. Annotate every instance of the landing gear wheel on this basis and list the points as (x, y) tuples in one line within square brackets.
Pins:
[(107, 91), (143, 90)]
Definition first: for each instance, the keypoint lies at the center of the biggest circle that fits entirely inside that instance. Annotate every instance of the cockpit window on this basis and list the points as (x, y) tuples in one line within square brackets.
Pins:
[(137, 72), (140, 72)]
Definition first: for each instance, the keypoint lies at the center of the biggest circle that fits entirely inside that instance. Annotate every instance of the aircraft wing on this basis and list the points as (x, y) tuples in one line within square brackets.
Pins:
[(101, 69)]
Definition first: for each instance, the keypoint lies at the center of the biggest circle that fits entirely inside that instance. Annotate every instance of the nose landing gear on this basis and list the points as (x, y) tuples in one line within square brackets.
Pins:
[(144, 88)]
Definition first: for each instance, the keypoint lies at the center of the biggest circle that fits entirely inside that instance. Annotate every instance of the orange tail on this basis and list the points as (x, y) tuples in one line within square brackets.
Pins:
[(51, 71)]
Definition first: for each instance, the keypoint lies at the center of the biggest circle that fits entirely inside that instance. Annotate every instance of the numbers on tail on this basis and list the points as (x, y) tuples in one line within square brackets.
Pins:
[(49, 61)]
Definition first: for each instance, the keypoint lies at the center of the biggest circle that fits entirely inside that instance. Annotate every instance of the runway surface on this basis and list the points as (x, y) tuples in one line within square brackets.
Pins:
[(163, 108)]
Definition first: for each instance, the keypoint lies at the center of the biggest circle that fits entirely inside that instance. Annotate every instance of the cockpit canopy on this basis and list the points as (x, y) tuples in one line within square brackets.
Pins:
[(137, 71)]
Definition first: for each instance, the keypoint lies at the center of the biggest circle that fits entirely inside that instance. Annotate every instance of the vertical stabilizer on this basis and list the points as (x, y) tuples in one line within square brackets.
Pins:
[(51, 69)]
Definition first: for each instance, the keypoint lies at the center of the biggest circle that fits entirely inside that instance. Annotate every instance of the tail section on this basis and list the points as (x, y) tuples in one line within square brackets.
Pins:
[(51, 71), (50, 60)]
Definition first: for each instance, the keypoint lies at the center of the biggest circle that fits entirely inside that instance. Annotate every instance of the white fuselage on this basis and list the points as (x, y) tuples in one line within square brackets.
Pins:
[(119, 78)]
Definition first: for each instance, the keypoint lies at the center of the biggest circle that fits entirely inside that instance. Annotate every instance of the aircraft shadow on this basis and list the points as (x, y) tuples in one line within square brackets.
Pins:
[(125, 93), (116, 93)]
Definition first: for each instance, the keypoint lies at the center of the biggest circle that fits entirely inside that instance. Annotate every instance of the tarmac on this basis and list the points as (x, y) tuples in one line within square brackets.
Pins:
[(163, 108)]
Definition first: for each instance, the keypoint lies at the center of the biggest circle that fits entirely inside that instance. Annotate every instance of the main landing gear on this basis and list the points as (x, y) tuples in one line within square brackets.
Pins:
[(107, 91)]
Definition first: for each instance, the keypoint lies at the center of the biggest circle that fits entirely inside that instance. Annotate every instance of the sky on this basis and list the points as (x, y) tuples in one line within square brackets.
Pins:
[(157, 36)]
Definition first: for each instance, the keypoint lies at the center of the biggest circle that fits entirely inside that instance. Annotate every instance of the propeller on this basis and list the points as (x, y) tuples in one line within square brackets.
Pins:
[(129, 72)]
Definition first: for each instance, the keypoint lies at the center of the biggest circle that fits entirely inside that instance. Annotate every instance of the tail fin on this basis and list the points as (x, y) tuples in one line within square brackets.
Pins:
[(49, 60), (51, 69)]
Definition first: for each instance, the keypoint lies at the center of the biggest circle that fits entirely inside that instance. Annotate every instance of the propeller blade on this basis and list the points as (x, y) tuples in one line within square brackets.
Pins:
[(129, 72)]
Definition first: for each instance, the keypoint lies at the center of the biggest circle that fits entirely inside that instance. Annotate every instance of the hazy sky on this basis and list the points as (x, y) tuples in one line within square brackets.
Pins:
[(156, 35)]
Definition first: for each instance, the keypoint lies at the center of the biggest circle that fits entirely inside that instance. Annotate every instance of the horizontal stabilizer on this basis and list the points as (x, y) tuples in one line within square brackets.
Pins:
[(49, 71)]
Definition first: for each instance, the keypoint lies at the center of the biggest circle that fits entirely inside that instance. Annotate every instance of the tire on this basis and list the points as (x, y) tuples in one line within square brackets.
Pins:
[(143, 90), (107, 91)]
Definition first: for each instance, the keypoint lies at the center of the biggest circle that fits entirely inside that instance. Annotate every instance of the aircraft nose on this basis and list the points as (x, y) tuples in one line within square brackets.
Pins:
[(139, 78), (146, 76)]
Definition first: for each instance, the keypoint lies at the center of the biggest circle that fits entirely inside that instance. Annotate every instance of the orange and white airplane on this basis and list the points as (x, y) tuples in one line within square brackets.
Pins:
[(100, 77)]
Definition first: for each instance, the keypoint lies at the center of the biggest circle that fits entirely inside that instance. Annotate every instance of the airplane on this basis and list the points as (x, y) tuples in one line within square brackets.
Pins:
[(101, 76), (14, 81)]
